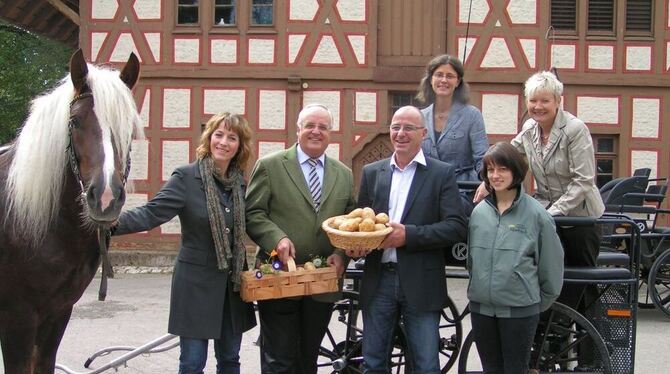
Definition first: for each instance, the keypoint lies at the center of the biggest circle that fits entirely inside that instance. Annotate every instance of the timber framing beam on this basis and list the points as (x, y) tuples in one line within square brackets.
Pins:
[(66, 10)]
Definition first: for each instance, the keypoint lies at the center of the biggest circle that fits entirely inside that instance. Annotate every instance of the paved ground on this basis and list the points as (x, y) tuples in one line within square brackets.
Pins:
[(136, 312)]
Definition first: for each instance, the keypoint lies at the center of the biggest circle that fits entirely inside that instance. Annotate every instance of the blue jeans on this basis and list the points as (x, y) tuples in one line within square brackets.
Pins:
[(379, 321), (193, 356)]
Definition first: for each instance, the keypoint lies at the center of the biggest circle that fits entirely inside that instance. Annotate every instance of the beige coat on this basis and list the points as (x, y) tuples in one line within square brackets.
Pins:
[(564, 178)]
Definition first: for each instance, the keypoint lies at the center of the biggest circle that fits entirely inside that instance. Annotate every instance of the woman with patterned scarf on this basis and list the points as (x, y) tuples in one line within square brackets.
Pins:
[(208, 197)]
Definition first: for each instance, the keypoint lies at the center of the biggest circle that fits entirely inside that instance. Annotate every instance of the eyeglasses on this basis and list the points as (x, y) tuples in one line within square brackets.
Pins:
[(405, 128), (311, 126), (441, 75)]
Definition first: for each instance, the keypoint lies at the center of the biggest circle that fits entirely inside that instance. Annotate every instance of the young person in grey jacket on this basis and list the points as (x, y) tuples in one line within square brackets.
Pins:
[(515, 262)]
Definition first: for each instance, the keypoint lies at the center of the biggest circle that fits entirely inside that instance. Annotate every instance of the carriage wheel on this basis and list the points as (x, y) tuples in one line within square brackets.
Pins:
[(347, 357), (558, 337), (659, 281), (644, 300)]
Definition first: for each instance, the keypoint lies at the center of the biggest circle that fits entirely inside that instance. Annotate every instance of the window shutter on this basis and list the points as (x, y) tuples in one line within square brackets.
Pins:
[(638, 15), (564, 14), (601, 15)]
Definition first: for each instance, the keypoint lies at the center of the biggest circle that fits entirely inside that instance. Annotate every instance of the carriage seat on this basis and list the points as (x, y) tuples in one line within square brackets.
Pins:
[(597, 275), (612, 258)]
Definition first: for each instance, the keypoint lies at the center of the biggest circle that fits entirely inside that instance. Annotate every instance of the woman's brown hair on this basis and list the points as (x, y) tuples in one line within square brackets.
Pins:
[(232, 122), (426, 95), (504, 154)]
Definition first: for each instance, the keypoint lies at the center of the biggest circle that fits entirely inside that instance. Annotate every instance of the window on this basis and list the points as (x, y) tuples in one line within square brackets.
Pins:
[(605, 150), (639, 16), (187, 12), (400, 99), (224, 12), (262, 12), (564, 15), (601, 16)]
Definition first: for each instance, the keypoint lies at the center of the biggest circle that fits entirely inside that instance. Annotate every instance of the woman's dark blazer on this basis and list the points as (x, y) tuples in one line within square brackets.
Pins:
[(198, 287)]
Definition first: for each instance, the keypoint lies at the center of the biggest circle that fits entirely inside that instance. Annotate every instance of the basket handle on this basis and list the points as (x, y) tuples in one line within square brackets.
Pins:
[(291, 264)]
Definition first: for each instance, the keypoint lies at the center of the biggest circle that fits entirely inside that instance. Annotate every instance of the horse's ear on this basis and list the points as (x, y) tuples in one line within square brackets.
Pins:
[(78, 70), (131, 72)]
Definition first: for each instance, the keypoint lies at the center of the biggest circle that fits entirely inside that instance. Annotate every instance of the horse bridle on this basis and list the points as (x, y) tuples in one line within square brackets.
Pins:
[(72, 156), (104, 234)]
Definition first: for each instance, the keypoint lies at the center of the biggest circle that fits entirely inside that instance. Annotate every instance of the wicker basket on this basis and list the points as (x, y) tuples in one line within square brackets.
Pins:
[(287, 284), (354, 240)]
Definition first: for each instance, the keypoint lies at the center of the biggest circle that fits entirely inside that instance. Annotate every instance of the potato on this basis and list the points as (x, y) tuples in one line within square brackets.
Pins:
[(309, 266), (379, 226), (350, 224), (368, 213), (382, 218), (336, 222), (367, 225), (358, 212)]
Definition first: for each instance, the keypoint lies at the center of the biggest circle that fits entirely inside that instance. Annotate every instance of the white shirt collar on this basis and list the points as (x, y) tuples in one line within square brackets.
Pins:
[(302, 156), (419, 158)]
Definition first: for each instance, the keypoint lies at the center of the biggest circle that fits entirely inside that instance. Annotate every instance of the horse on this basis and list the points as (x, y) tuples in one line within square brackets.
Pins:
[(61, 179)]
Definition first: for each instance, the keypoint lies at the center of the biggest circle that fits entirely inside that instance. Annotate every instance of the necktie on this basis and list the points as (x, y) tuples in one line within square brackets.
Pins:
[(314, 183)]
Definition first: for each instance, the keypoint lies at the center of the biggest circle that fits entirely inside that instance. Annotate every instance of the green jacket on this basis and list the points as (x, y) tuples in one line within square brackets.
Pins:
[(515, 260), (279, 205)]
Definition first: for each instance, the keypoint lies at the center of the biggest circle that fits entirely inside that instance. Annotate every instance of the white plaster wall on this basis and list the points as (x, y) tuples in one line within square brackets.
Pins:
[(154, 41), (187, 51), (272, 110), (223, 51), (172, 226), (176, 107), (358, 45), (563, 56), (461, 47), (529, 47), (522, 11), (480, 9), (139, 160), (294, 44), (233, 101), (148, 9), (351, 10), (261, 51), (103, 9), (302, 10), (175, 153), (133, 200), (501, 113), (331, 99), (266, 148), (97, 38), (646, 117), (598, 109), (326, 52), (601, 57), (497, 56), (638, 58), (333, 150), (366, 106), (146, 108), (644, 159), (124, 46)]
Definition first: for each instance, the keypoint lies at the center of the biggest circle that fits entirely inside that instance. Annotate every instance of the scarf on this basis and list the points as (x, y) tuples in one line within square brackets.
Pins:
[(225, 253)]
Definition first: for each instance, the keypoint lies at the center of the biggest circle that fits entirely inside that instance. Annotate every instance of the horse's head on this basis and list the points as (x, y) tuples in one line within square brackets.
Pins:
[(99, 159)]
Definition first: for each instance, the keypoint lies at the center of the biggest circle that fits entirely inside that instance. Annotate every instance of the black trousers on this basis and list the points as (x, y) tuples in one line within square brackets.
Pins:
[(504, 343), (580, 245), (291, 334)]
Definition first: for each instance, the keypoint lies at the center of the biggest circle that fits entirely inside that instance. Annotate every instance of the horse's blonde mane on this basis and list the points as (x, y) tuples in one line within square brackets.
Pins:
[(36, 176)]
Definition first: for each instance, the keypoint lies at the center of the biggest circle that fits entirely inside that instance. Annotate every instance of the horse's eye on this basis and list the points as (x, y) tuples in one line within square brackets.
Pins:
[(74, 123)]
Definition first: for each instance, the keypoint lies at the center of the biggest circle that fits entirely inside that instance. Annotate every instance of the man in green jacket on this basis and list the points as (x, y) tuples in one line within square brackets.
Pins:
[(290, 193)]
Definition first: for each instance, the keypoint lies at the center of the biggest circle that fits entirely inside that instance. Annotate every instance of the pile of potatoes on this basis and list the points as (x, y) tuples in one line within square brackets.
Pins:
[(362, 220)]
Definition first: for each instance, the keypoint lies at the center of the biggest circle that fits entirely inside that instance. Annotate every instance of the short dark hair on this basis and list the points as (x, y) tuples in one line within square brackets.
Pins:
[(504, 154), (426, 95)]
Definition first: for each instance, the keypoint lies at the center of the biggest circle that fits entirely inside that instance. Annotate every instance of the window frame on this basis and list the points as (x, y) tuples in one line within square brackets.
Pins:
[(601, 32), (392, 94), (234, 6), (272, 6), (611, 156), (639, 33), (197, 5)]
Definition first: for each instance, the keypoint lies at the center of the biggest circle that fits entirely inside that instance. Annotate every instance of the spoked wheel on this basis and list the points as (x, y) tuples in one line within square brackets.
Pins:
[(344, 354), (644, 300), (451, 336), (562, 335), (659, 282)]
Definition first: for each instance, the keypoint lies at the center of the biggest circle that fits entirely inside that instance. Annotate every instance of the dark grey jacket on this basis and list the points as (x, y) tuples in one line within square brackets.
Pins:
[(199, 289)]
